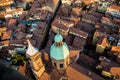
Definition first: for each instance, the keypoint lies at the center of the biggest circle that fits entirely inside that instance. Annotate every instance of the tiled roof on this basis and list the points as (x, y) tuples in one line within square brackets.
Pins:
[(77, 75), (87, 74), (115, 71), (7, 35), (90, 17), (115, 48), (115, 7), (79, 33), (103, 41), (62, 24), (78, 42), (45, 76)]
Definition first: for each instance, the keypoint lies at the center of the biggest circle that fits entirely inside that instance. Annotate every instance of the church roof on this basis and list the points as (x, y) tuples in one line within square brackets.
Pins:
[(58, 38), (59, 52), (31, 49)]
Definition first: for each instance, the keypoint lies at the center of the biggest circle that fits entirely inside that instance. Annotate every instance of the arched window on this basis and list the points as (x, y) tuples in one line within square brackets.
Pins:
[(55, 64), (61, 65)]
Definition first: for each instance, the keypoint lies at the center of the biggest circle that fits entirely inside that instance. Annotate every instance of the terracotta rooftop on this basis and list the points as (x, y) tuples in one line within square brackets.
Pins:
[(38, 41), (90, 17), (78, 42), (115, 48), (38, 32), (85, 27), (3, 29), (45, 76), (84, 71), (99, 33), (42, 14), (74, 68), (22, 26), (96, 14), (7, 35), (116, 21), (77, 32), (107, 19), (115, 71), (114, 7), (78, 75), (87, 60), (108, 65), (74, 53), (22, 16), (12, 22), (87, 2), (6, 42), (20, 35), (69, 39), (23, 42), (5, 2), (76, 11), (105, 65), (103, 41), (41, 24), (62, 23), (105, 29), (72, 19), (55, 75), (64, 10), (2, 1)]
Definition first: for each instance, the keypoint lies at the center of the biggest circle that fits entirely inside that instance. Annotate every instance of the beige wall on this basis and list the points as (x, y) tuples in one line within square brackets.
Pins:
[(100, 48), (65, 63), (36, 65)]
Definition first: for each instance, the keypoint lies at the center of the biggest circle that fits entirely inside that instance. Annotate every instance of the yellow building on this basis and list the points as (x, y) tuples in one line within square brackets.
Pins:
[(35, 60), (97, 35), (101, 45)]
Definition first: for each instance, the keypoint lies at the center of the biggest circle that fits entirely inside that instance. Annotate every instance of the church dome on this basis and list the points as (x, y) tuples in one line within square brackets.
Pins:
[(59, 52), (58, 38)]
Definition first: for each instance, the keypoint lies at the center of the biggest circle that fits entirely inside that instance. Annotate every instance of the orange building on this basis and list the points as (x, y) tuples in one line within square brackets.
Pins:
[(5, 2)]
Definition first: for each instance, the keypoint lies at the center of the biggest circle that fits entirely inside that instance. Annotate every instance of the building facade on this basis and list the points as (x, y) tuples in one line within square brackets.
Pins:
[(114, 11), (35, 60)]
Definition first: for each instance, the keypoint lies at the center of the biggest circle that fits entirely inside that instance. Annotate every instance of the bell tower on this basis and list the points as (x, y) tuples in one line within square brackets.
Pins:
[(35, 60)]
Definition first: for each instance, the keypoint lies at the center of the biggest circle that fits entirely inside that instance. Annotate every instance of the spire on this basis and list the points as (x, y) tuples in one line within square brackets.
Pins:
[(31, 49)]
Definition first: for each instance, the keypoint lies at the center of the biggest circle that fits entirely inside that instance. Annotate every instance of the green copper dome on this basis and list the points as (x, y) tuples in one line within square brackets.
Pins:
[(59, 52), (58, 38)]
